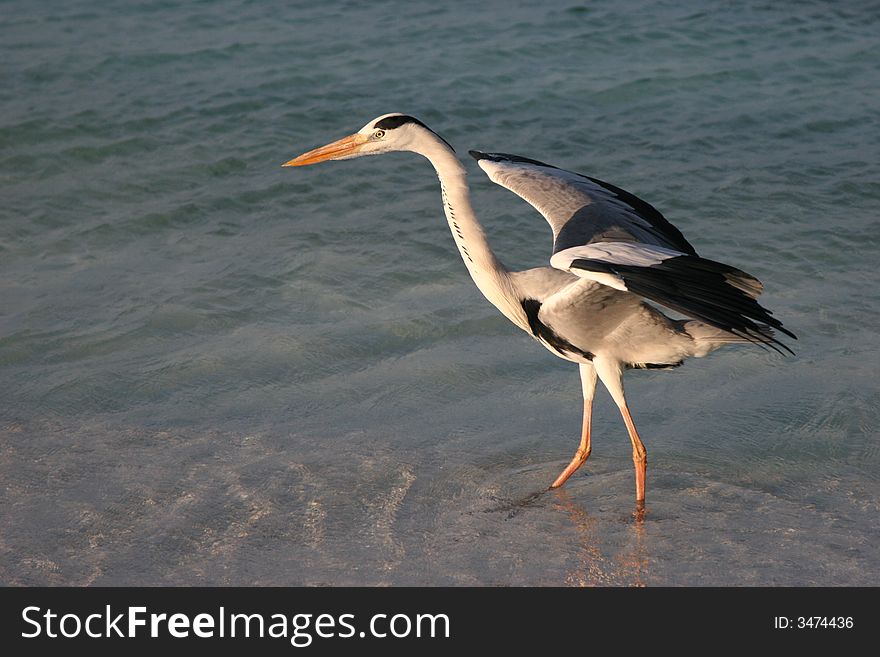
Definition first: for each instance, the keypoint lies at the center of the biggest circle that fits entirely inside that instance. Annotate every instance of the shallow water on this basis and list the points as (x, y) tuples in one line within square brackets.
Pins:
[(215, 370)]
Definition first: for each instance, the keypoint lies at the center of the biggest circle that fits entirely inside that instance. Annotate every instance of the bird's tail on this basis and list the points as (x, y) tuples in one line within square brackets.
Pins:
[(709, 338)]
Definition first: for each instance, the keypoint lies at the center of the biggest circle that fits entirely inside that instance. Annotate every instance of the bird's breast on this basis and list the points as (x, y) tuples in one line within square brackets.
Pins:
[(552, 340)]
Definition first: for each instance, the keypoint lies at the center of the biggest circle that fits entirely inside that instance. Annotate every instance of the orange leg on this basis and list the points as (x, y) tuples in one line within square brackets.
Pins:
[(640, 457), (583, 450)]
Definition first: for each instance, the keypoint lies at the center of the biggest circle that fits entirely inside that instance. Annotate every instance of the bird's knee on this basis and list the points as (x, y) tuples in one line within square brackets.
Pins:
[(582, 454)]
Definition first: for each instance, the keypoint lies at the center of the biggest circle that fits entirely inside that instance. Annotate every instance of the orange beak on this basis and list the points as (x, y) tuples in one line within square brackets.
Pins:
[(338, 150)]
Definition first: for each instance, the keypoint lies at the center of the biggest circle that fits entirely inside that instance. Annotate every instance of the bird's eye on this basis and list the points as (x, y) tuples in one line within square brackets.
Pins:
[(378, 134)]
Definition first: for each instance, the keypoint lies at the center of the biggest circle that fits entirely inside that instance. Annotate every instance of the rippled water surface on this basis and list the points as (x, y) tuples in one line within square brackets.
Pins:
[(217, 371)]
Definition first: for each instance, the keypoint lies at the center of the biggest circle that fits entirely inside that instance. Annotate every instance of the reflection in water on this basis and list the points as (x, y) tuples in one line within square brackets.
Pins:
[(629, 565), (514, 507)]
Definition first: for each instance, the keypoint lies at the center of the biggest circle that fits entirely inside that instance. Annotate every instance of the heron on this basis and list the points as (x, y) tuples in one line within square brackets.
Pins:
[(615, 259)]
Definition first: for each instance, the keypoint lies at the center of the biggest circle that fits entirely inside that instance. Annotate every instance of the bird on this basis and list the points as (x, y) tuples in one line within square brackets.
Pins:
[(616, 261)]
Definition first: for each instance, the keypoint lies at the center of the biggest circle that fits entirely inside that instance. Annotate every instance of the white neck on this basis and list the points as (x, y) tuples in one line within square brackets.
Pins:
[(490, 275)]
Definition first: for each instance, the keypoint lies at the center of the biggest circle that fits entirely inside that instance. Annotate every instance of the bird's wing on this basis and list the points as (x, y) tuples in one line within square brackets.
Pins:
[(605, 234), (582, 210)]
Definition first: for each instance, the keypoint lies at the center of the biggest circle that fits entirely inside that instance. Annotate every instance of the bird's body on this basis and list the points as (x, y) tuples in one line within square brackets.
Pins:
[(611, 252), (578, 320)]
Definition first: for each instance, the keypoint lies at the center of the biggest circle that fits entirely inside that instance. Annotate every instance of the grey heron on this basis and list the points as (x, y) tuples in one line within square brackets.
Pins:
[(612, 251)]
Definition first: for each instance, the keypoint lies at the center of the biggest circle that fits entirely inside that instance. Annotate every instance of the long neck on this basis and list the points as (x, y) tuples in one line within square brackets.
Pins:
[(491, 277)]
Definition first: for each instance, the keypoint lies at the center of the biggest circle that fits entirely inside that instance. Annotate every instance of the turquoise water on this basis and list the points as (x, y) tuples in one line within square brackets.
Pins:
[(217, 371)]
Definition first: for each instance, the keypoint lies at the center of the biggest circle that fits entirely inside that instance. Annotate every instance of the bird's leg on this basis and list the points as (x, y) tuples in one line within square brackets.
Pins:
[(611, 373), (583, 450), (640, 456), (588, 383)]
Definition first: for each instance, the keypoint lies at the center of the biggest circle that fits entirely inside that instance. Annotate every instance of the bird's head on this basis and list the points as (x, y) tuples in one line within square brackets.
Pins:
[(389, 132)]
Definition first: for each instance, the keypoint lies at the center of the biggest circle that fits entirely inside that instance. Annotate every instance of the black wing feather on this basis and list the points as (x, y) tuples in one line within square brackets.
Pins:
[(650, 214), (701, 289)]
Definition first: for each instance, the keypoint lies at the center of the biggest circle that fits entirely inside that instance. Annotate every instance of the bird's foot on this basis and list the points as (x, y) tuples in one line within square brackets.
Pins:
[(639, 513), (580, 457)]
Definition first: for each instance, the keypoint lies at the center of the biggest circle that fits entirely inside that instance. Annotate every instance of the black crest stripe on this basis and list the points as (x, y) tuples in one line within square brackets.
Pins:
[(392, 122)]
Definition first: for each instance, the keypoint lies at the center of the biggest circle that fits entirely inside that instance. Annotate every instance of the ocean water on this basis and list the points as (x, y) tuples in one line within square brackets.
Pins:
[(217, 371)]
